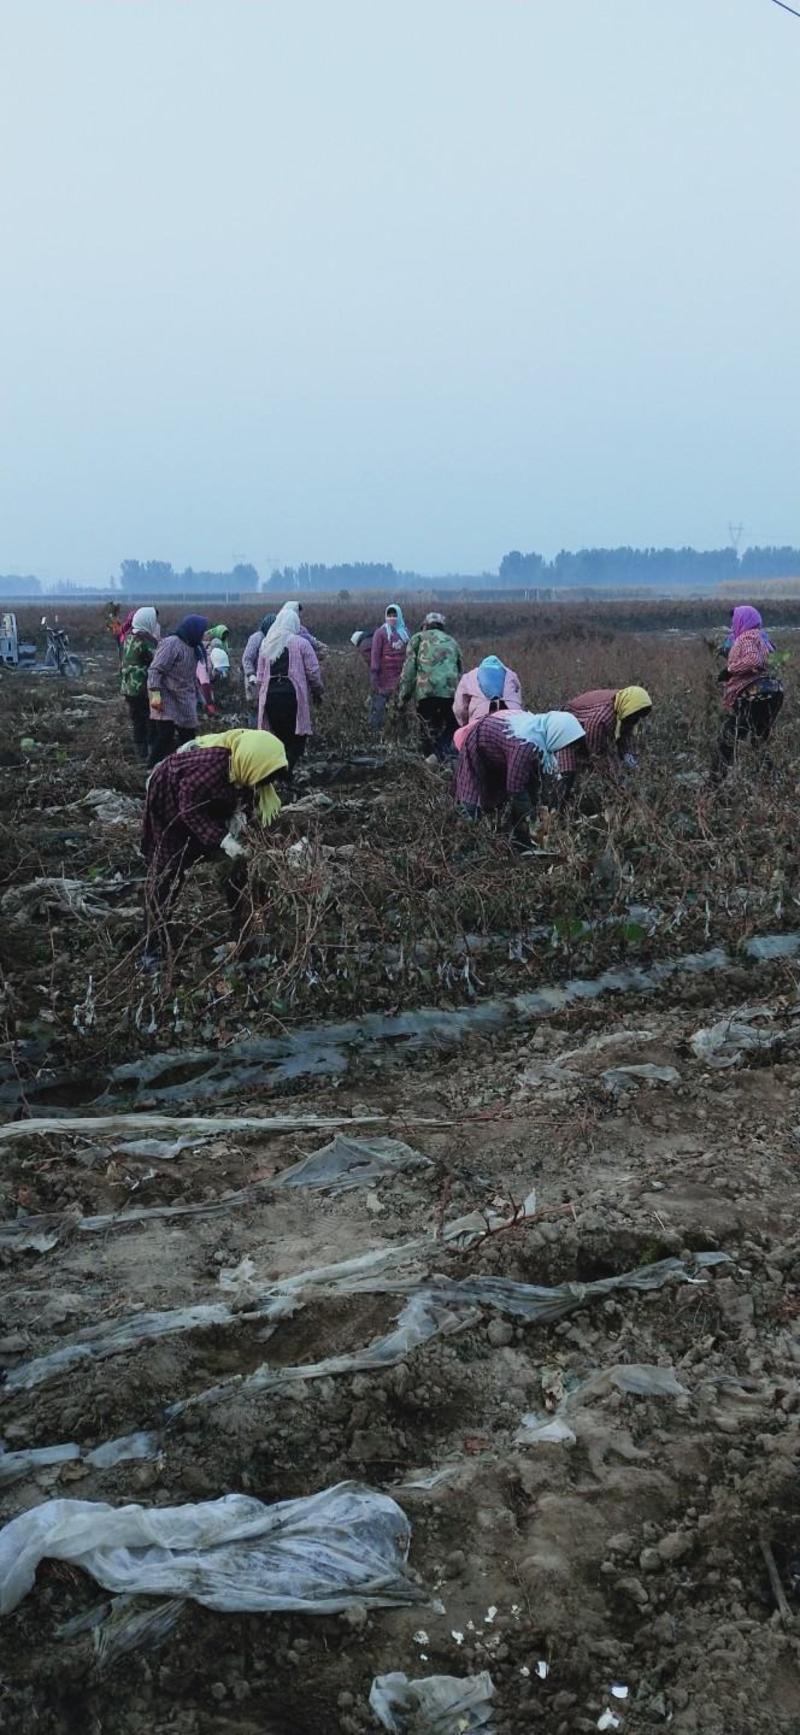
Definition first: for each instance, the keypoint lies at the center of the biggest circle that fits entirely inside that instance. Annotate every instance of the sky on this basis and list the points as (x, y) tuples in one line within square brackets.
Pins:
[(407, 280)]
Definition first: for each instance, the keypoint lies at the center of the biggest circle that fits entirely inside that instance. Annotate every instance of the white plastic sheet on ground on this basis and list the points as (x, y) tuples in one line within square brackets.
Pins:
[(634, 1379), (745, 1031), (347, 1162), (436, 1705), (422, 1318), (127, 1449), (318, 1555)]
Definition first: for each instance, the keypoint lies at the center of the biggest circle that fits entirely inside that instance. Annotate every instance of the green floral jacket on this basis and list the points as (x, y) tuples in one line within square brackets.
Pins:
[(136, 659)]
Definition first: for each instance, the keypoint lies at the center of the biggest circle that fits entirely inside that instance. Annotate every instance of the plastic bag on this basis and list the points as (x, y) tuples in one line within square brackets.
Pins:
[(436, 1705), (318, 1555)]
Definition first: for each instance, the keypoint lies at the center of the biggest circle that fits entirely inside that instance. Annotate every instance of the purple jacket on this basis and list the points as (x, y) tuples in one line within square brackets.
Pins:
[(173, 674), (250, 656), (387, 657), (305, 678)]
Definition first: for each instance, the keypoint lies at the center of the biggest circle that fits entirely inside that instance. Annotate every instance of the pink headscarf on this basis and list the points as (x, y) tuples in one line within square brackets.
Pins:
[(748, 620)]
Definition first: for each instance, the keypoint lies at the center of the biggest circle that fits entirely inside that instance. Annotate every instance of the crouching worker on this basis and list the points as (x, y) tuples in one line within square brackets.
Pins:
[(198, 802), (501, 761), (610, 717)]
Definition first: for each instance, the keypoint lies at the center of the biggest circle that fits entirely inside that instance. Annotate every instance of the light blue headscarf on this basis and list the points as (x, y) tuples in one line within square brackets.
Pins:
[(548, 731), (492, 677), (400, 628)]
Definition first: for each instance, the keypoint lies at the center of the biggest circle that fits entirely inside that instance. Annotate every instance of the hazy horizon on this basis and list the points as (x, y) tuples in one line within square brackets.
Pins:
[(324, 280)]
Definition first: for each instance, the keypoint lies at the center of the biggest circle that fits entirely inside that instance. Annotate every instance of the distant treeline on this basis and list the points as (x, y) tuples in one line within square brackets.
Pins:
[(585, 568), (625, 567)]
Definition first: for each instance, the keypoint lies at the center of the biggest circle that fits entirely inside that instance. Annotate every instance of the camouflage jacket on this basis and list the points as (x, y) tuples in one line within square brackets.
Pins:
[(432, 669)]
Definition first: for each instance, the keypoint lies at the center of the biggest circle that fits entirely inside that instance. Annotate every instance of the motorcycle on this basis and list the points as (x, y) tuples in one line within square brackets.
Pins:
[(58, 658)]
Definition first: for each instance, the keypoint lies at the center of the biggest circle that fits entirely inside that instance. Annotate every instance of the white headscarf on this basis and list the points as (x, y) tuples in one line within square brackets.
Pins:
[(548, 731), (283, 628), (145, 620)]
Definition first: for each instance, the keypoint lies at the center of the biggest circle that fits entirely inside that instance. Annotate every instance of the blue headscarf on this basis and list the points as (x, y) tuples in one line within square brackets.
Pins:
[(492, 677), (268, 621), (547, 731), (191, 630), (399, 627)]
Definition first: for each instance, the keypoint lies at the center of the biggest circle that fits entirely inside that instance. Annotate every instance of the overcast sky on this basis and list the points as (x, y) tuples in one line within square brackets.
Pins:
[(414, 280)]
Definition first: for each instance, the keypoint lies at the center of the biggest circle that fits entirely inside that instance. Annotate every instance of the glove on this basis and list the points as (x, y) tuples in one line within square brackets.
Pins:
[(233, 850), (155, 701)]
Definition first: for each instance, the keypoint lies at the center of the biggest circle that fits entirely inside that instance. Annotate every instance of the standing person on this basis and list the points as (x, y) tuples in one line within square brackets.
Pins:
[(288, 679), (609, 716), (753, 697), (217, 642), (140, 648), (172, 687), (478, 691), (501, 762), (250, 665), (317, 645), (198, 802), (387, 656), (431, 673)]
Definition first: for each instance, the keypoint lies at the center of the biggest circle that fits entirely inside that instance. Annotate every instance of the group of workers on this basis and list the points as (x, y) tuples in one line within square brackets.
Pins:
[(205, 788)]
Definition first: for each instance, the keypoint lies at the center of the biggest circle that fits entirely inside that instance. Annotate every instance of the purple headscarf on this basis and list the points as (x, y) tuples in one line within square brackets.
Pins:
[(748, 620)]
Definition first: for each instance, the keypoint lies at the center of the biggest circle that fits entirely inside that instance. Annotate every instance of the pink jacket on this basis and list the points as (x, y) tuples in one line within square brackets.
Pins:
[(470, 703), (305, 678)]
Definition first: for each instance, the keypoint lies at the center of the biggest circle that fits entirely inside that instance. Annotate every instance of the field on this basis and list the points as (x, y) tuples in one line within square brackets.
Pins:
[(402, 964)]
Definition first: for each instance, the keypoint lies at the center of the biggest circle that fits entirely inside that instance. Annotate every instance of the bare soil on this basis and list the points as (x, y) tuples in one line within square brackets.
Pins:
[(632, 1557)]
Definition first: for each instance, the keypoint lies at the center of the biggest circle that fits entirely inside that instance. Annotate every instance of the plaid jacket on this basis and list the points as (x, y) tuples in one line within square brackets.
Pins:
[(596, 712), (494, 765), (188, 808)]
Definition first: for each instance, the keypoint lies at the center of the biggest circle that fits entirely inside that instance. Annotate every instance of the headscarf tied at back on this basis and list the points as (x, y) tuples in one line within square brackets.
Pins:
[(284, 627), (628, 702), (191, 630), (255, 754), (748, 620), (145, 620), (399, 626), (492, 677), (547, 731)]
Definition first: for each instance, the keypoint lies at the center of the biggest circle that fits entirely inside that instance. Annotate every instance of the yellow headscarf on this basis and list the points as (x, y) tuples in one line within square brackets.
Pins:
[(627, 702), (255, 754)]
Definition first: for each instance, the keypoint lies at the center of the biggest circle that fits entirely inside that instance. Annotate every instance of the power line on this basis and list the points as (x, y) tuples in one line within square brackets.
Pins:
[(785, 8)]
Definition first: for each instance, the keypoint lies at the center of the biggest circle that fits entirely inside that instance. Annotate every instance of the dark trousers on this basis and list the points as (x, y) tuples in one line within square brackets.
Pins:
[(162, 891), (164, 739), (438, 725), (515, 817), (139, 711), (750, 720), (281, 710)]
